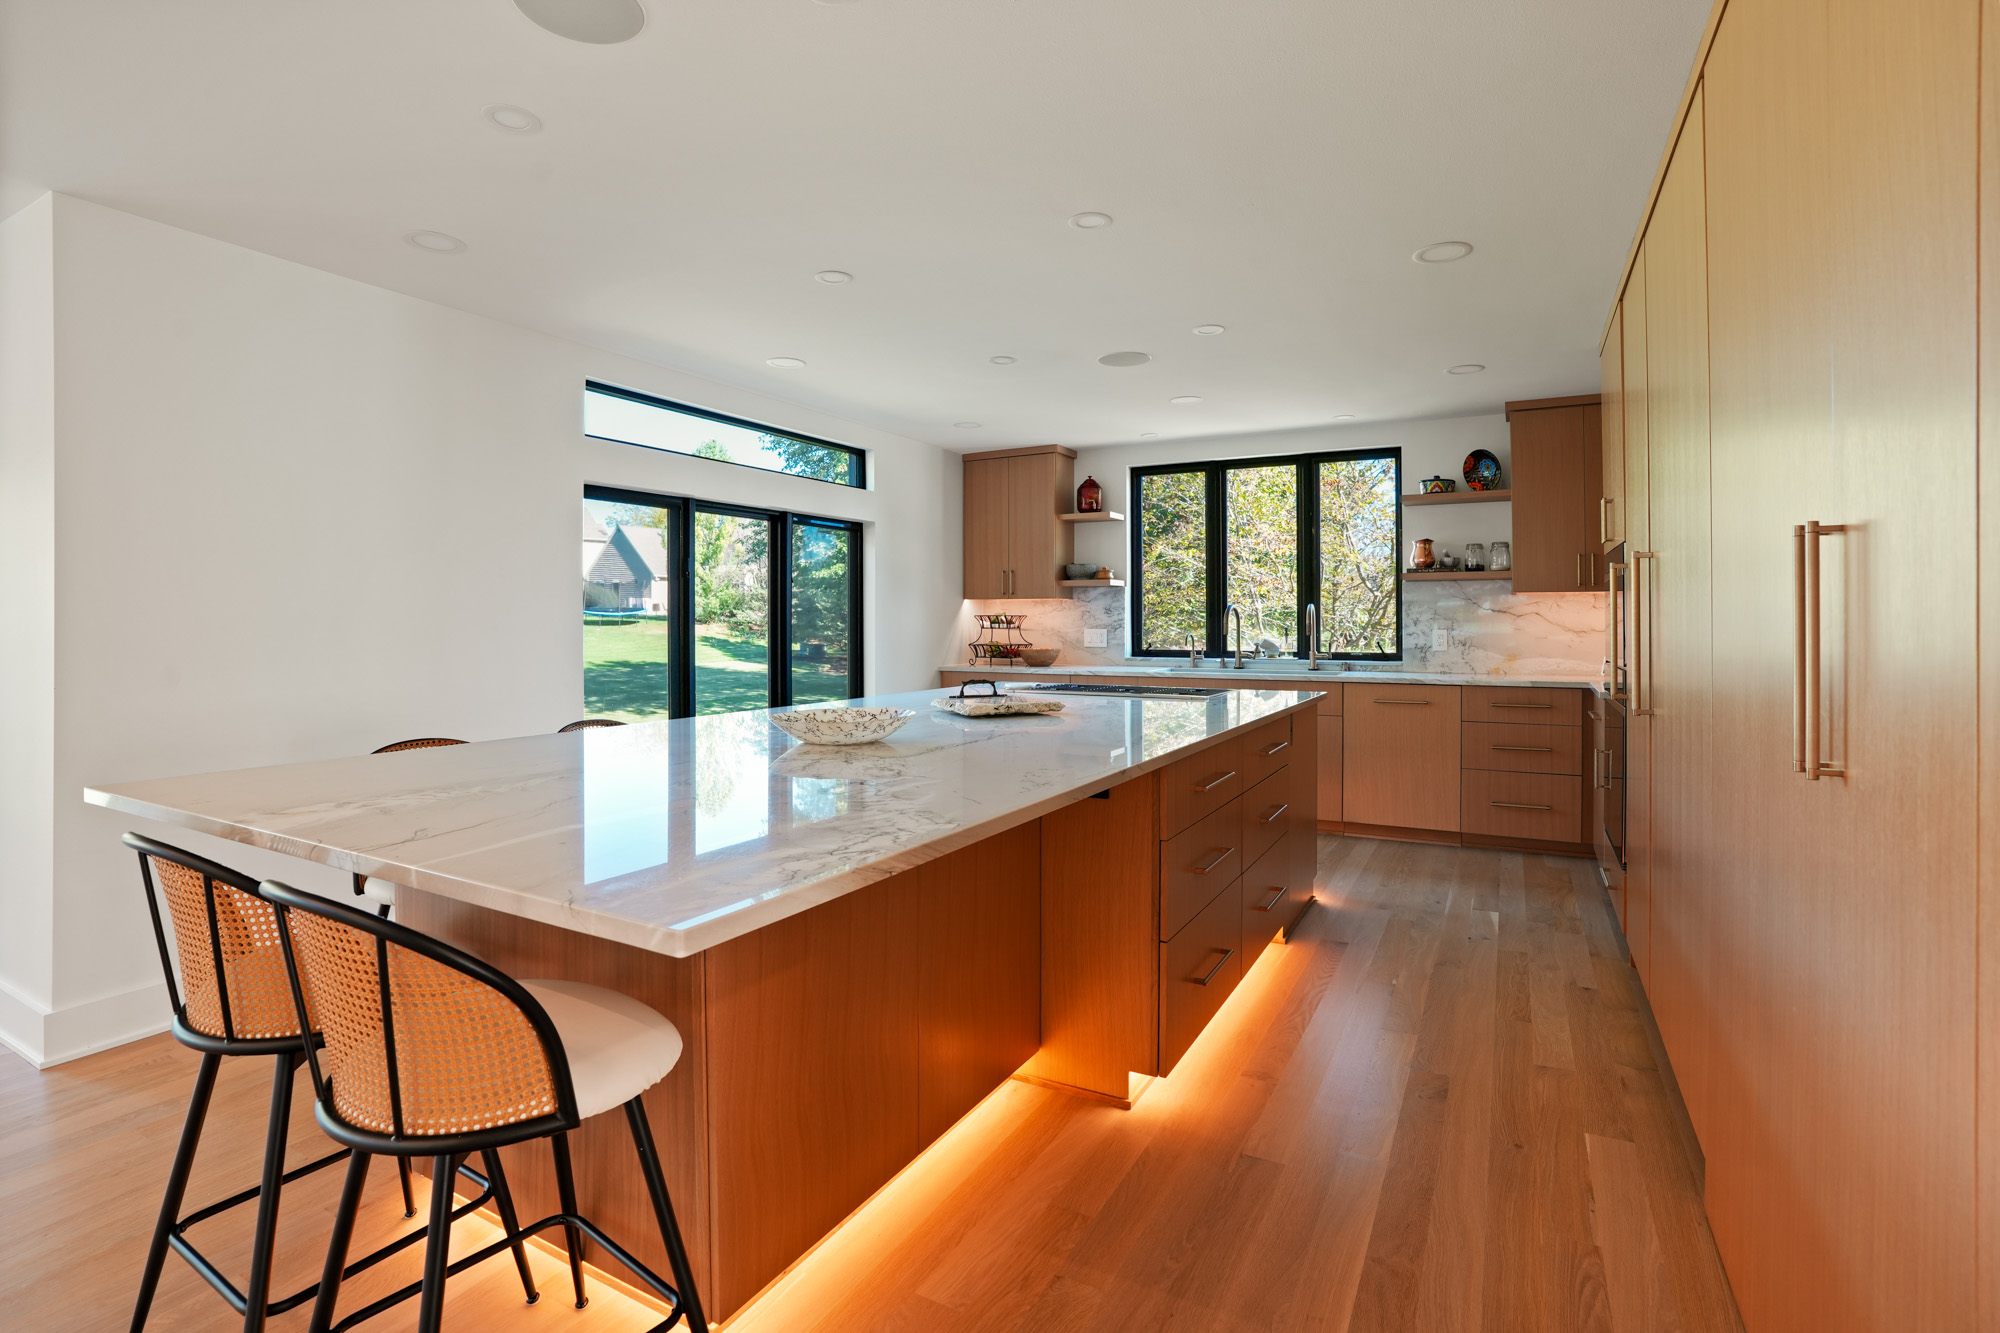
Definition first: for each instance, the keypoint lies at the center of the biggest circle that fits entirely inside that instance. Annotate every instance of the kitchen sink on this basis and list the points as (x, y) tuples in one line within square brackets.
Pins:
[(1130, 691)]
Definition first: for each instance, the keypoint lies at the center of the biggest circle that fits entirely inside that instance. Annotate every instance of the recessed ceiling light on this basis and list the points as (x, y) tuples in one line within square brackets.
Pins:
[(1467, 369), (1124, 359), (599, 22), (1345, 416), (1444, 252), (518, 119), (1001, 360), (1149, 435), (966, 425), (1185, 400), (1090, 221), (785, 363), (833, 276), (1209, 330), (436, 242)]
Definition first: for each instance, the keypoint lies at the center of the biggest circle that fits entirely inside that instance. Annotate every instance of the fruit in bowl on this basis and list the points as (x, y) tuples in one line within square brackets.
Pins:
[(840, 726)]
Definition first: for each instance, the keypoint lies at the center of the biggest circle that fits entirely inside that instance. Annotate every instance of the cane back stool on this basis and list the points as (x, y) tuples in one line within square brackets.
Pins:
[(233, 997), (585, 724), (429, 1052), (381, 892)]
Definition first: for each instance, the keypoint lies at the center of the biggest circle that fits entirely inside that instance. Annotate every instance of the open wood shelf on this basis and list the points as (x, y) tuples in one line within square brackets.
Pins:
[(1090, 583), (1101, 516), (1441, 575), (1459, 498)]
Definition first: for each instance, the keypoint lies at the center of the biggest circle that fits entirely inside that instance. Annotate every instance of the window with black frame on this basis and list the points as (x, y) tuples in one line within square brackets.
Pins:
[(691, 607), (1269, 536), (628, 417)]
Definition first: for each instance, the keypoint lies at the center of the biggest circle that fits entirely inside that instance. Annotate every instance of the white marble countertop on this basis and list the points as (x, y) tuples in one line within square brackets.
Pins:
[(1278, 671), (675, 836)]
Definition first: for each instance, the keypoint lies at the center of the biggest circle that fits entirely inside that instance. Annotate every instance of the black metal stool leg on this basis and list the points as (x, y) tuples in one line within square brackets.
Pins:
[(337, 1243), (566, 1193), (437, 1245), (504, 1198), (409, 1196), (177, 1178), (663, 1211), (276, 1132)]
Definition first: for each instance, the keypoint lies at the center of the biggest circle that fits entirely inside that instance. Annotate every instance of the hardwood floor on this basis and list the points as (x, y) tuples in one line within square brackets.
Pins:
[(1435, 1109)]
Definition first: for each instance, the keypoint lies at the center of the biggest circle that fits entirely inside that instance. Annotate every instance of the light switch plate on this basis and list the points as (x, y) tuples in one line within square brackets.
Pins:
[(1093, 638)]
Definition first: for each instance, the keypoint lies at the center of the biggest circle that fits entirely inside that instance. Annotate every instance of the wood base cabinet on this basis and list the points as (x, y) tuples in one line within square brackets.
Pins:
[(1400, 755)]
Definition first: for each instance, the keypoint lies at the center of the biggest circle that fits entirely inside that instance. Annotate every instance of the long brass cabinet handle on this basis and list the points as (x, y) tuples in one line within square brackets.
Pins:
[(1227, 954), (1277, 896), (1217, 783), (1424, 702), (1272, 817), (1519, 805), (1579, 570), (1544, 707), (1529, 749), (1604, 519), (1220, 857), (1798, 648), (1615, 574), (1641, 645), (1281, 745), (1815, 767)]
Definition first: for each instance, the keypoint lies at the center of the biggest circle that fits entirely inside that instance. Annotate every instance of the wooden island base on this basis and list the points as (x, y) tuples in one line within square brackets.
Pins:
[(824, 1052)]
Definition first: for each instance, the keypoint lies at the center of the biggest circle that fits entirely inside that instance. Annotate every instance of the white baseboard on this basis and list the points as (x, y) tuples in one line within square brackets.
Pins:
[(50, 1038)]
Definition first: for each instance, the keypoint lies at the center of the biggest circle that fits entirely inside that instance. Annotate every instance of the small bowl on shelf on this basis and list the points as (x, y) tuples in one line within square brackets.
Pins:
[(840, 726), (1040, 657)]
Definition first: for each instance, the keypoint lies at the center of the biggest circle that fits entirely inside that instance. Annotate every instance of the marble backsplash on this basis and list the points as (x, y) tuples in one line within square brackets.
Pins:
[(1487, 632)]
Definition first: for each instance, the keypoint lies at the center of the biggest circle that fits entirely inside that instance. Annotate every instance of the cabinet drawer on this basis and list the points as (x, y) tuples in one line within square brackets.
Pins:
[(1199, 967), (1271, 897), (1505, 703), (1544, 806), (1266, 750), (1196, 863), (1517, 748), (1399, 755), (1199, 784), (1267, 813)]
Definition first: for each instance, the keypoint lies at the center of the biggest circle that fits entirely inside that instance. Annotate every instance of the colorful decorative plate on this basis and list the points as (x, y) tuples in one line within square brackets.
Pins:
[(1482, 471)]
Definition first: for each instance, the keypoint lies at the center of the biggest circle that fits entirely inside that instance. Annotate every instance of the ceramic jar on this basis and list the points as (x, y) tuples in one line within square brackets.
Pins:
[(1503, 556)]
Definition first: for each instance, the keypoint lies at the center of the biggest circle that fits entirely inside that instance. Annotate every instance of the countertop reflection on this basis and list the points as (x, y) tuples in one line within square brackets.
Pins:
[(677, 835)]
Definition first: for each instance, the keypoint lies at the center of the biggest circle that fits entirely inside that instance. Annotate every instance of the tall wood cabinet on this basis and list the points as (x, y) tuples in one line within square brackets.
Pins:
[(1015, 545), (1798, 340), (1557, 457)]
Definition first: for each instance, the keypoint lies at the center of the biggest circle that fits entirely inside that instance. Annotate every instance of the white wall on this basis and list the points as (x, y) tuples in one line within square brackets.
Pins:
[(282, 461)]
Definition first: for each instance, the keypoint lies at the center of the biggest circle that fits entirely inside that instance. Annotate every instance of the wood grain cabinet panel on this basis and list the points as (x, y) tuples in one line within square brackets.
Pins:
[(1266, 750), (1543, 806), (1508, 703), (1521, 748), (1303, 844), (1196, 862), (986, 532), (1329, 801), (1557, 462), (1400, 755), (1267, 813), (1014, 543), (1611, 432), (1200, 784), (1199, 967), (1268, 894)]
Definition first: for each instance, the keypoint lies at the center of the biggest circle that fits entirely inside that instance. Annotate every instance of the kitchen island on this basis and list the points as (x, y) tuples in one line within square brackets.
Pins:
[(857, 943)]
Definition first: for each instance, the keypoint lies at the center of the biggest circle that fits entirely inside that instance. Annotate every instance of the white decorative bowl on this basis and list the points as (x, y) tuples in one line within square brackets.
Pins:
[(841, 726)]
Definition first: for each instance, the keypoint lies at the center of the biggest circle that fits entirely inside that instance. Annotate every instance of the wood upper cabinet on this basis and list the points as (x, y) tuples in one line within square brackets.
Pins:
[(1400, 755), (1015, 545), (1611, 433), (1558, 465)]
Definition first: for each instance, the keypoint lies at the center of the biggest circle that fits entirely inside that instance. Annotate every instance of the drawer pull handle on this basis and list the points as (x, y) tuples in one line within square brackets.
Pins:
[(1423, 702), (1272, 817), (1220, 857), (1519, 805), (1281, 745), (1544, 707), (1277, 896), (1217, 783), (1529, 749), (1227, 954)]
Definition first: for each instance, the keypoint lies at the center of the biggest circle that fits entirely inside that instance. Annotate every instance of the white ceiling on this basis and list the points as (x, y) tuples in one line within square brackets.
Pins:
[(1271, 165)]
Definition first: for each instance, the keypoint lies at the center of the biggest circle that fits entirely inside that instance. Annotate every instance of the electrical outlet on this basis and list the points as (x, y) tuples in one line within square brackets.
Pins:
[(1093, 638), (1440, 638)]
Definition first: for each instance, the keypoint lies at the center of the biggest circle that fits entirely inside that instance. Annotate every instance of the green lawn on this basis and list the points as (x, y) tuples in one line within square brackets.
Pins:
[(625, 672)]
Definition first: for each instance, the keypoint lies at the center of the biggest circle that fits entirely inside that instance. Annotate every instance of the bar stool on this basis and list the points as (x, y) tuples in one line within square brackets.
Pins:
[(380, 891), (585, 724), (233, 997), (430, 1052)]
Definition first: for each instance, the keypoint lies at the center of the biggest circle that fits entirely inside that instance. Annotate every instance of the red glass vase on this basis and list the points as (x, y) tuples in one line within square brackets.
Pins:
[(1090, 497)]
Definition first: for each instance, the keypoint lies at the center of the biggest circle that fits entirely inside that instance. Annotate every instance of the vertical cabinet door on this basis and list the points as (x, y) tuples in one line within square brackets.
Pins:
[(1611, 432), (1555, 532), (1329, 769), (987, 521), (1638, 539), (1400, 755), (1038, 543)]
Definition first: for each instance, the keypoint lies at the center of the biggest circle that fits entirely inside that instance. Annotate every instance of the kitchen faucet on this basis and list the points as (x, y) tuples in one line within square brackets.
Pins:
[(1237, 612), (1194, 653), (1312, 636)]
